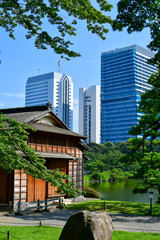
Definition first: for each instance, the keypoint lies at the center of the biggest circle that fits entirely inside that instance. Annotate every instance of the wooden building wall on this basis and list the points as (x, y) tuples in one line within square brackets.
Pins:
[(20, 187), (6, 186), (62, 144)]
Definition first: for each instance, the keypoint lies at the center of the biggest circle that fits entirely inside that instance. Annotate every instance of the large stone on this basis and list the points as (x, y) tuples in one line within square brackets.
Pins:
[(87, 225)]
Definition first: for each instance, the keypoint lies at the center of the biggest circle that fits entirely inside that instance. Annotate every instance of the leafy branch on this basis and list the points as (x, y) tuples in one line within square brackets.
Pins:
[(32, 15)]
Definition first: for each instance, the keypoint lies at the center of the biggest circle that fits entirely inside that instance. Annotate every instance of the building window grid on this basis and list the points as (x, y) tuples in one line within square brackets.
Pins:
[(104, 80)]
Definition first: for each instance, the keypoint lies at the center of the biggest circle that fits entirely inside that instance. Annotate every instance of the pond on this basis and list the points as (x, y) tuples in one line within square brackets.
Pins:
[(121, 191)]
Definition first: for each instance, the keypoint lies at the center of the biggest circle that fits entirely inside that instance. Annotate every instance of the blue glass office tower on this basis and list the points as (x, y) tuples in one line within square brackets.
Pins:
[(124, 75)]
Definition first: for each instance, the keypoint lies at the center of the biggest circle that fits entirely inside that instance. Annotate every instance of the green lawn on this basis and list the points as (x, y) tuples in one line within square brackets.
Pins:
[(117, 207), (53, 233), (30, 233), (122, 235)]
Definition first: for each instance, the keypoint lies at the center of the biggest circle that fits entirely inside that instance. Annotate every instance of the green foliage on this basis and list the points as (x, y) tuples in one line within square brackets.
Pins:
[(149, 163), (95, 176), (105, 175), (90, 192), (103, 157), (31, 15), (136, 15), (116, 173), (13, 144), (86, 178), (123, 147), (95, 166)]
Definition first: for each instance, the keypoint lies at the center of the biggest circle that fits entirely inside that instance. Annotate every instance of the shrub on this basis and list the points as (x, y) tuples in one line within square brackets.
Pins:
[(90, 192)]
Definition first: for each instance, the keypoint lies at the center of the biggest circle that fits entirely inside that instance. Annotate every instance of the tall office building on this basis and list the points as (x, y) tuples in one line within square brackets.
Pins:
[(89, 113), (55, 88), (124, 75)]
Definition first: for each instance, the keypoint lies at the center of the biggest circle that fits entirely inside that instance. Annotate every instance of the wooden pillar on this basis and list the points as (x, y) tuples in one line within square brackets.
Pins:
[(66, 144)]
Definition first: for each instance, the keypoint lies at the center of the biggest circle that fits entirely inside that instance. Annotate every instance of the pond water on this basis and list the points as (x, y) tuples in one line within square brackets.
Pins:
[(121, 191)]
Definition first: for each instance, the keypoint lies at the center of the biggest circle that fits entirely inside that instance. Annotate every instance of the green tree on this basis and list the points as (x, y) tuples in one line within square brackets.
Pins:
[(116, 173), (95, 166), (34, 15), (123, 147), (13, 141), (96, 176), (103, 157), (136, 15)]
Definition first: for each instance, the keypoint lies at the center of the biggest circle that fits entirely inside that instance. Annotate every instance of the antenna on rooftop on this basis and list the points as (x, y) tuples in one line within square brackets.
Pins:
[(59, 66), (86, 84)]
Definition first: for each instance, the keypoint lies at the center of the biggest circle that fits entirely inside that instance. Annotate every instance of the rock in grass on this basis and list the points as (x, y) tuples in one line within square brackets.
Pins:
[(87, 225)]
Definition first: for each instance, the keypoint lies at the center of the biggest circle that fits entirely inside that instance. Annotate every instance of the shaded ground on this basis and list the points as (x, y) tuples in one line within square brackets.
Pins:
[(59, 217)]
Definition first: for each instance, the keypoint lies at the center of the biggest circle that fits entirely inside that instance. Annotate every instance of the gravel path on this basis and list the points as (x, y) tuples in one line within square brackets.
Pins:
[(58, 218)]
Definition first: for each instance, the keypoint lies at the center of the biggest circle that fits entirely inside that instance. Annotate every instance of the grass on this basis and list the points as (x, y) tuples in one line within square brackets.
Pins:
[(46, 232), (122, 235), (30, 233), (117, 207)]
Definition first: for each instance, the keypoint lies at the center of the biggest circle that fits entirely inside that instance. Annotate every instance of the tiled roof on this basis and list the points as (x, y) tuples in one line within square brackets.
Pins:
[(54, 129), (26, 117), (29, 115)]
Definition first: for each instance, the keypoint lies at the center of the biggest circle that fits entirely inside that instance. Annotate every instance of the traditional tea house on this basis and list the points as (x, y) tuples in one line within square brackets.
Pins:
[(53, 140)]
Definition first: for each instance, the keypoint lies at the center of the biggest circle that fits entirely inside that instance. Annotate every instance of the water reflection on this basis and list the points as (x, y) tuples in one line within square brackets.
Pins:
[(121, 191)]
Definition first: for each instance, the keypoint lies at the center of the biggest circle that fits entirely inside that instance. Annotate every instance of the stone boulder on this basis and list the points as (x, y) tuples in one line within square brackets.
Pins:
[(87, 225)]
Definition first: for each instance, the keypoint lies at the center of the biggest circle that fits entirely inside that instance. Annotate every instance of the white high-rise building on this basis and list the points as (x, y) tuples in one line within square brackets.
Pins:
[(89, 113), (55, 88)]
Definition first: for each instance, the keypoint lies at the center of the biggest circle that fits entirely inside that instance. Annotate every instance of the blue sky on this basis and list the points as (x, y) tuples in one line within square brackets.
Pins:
[(20, 60)]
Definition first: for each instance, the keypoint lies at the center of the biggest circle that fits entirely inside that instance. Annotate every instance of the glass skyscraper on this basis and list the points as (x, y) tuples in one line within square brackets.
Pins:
[(55, 88), (124, 75)]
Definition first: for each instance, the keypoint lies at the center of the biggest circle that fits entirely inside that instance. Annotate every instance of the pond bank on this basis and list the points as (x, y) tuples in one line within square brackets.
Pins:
[(121, 191)]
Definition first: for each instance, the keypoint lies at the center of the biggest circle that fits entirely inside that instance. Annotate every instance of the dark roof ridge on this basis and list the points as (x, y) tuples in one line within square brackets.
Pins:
[(25, 109), (38, 111)]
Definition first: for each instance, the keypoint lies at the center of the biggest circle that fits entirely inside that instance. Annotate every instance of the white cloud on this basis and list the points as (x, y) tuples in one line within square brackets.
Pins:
[(16, 95), (1, 104)]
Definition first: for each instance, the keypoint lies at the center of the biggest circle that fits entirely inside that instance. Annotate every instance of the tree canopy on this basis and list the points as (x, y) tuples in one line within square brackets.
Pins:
[(16, 154), (32, 15), (105, 157), (136, 15)]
